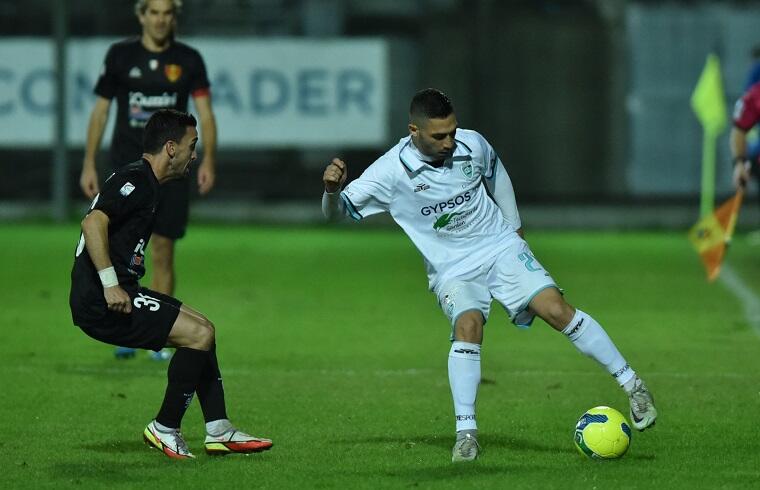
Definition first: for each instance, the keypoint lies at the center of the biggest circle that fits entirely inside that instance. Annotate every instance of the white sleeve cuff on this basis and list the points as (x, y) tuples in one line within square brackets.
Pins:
[(332, 205)]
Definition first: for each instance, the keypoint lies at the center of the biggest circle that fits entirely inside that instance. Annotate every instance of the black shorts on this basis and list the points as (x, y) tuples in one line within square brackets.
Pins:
[(173, 209), (146, 327)]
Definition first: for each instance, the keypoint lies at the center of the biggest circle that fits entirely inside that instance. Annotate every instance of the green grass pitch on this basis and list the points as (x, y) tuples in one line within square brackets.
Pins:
[(330, 344)]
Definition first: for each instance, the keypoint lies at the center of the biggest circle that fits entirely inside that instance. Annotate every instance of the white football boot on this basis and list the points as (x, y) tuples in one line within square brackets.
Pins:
[(643, 412), (235, 441), (465, 449), (170, 443)]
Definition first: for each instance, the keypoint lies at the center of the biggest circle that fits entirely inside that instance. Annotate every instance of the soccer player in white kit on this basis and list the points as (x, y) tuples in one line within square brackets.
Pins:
[(450, 193)]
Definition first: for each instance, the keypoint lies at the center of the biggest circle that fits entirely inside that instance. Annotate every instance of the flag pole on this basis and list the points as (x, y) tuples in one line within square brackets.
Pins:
[(707, 197)]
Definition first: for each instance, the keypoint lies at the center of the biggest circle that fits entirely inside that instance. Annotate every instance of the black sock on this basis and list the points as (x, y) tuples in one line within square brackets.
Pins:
[(211, 391), (183, 374)]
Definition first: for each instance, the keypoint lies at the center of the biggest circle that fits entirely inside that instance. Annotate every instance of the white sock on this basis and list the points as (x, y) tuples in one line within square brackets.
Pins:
[(629, 385), (218, 427), (162, 428), (590, 338), (464, 378)]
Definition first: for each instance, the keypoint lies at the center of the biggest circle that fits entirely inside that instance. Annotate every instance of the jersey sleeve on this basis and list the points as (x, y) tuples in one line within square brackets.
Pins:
[(199, 85), (500, 185), (107, 83), (370, 194), (746, 112), (490, 158), (503, 193), (122, 195)]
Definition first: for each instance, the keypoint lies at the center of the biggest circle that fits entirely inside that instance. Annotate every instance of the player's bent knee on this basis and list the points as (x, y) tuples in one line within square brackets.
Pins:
[(558, 313), (192, 331), (206, 334), (469, 327)]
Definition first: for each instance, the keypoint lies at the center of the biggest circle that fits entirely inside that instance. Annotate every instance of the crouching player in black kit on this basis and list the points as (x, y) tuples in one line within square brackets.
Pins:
[(109, 305)]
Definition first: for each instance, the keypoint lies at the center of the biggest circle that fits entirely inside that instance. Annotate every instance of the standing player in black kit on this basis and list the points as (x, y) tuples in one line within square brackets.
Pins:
[(145, 74), (109, 305)]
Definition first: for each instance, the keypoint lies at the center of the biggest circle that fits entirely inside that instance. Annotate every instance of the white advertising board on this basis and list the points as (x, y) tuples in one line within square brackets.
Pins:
[(270, 93)]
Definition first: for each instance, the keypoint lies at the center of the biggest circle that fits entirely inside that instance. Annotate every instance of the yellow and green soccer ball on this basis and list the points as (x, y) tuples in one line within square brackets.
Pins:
[(602, 433)]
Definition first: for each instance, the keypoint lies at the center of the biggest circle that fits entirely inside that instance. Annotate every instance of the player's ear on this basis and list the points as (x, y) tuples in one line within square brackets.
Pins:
[(413, 129), (171, 148)]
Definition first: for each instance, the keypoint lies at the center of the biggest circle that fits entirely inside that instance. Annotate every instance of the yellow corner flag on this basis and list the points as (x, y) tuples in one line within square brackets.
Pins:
[(708, 101), (712, 234)]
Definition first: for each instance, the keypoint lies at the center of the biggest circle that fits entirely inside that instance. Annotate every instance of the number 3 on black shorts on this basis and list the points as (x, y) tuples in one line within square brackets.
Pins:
[(144, 300)]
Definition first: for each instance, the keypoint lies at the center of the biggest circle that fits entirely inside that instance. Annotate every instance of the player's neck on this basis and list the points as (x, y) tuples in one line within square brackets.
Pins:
[(153, 45), (158, 166), (427, 158)]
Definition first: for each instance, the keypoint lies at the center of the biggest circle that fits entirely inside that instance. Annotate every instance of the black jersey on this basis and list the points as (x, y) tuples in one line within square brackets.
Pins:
[(142, 83), (129, 198)]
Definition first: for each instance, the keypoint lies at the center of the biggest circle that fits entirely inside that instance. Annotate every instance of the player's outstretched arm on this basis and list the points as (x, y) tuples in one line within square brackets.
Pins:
[(333, 178), (95, 231)]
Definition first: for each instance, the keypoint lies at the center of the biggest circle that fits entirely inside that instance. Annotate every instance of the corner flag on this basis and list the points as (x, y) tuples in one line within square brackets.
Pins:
[(707, 100), (712, 234), (709, 104)]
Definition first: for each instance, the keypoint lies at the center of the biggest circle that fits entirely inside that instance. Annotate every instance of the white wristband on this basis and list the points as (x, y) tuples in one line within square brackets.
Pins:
[(108, 277)]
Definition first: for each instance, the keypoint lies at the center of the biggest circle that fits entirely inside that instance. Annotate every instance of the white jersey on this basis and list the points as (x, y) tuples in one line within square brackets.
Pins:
[(446, 211)]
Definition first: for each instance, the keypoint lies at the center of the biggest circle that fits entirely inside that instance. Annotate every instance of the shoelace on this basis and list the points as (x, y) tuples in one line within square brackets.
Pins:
[(181, 444), (468, 446), (640, 399)]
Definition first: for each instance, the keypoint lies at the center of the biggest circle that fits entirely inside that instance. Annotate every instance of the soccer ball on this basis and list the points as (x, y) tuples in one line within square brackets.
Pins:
[(602, 433)]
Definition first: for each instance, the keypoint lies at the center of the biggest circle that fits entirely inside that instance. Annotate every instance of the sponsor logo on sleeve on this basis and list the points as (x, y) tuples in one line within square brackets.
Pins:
[(126, 189)]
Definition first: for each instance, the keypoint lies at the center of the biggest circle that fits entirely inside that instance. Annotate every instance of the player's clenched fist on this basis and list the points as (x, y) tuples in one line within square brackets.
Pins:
[(335, 175), (117, 299)]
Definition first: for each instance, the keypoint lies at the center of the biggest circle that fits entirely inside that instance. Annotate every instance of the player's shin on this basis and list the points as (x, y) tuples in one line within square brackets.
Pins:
[(211, 390), (183, 375), (464, 378), (590, 339)]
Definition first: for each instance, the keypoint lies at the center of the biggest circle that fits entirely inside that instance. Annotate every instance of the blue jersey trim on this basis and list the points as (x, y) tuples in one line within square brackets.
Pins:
[(355, 214)]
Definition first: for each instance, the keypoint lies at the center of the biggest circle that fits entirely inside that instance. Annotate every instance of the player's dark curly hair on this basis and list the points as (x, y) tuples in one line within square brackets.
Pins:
[(166, 125), (430, 103)]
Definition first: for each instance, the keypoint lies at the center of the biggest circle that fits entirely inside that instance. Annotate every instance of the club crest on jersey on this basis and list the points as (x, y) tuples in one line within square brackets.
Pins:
[(421, 187), (126, 189), (467, 169), (173, 72)]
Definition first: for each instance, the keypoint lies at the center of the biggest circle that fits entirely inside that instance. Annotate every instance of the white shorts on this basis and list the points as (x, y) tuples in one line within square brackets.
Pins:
[(514, 279)]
